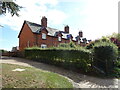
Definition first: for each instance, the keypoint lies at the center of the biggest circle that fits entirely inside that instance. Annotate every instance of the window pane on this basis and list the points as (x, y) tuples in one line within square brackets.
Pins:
[(59, 38), (43, 36)]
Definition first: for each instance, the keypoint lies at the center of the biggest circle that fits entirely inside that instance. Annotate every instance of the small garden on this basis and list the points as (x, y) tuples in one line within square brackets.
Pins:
[(99, 58), (15, 76)]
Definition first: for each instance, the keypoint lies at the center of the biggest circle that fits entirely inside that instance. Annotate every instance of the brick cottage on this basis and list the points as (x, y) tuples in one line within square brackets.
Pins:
[(33, 34)]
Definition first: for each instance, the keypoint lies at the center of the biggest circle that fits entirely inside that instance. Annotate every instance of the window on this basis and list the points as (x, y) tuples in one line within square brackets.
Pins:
[(43, 36), (43, 46), (59, 38)]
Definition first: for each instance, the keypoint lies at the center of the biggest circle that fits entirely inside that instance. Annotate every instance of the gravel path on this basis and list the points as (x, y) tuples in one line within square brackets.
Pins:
[(78, 80)]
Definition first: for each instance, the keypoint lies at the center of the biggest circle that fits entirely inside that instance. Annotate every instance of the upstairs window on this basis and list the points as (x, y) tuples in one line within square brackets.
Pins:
[(43, 36), (59, 39)]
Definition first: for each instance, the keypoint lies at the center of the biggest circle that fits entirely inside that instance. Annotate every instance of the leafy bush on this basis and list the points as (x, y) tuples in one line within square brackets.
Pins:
[(105, 39), (64, 45), (68, 58), (115, 35), (116, 72), (105, 55), (67, 45), (34, 47), (3, 51), (90, 45), (72, 45)]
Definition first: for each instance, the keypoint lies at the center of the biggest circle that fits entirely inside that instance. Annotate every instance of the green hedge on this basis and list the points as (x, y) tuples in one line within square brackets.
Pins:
[(116, 71), (67, 58), (105, 55)]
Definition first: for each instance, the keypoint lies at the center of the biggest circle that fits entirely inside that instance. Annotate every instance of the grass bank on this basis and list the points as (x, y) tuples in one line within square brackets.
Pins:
[(31, 78)]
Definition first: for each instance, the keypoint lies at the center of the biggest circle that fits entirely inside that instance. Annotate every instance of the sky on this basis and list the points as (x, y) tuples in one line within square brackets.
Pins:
[(96, 18)]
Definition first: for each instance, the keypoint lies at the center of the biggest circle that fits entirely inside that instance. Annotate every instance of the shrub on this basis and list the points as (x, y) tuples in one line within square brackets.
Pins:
[(115, 35), (105, 55), (72, 45), (67, 58), (105, 39), (67, 45), (64, 45), (90, 45), (34, 47), (116, 72)]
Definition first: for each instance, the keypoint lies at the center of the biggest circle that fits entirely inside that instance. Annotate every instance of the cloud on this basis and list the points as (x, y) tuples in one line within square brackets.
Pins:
[(55, 16), (32, 11), (96, 17), (101, 18)]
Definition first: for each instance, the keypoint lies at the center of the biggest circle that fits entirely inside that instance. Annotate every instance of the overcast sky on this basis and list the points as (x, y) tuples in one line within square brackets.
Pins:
[(96, 18)]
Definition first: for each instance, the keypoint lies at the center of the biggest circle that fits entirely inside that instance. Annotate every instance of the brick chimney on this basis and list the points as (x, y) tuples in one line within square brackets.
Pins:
[(80, 34), (44, 21), (66, 29)]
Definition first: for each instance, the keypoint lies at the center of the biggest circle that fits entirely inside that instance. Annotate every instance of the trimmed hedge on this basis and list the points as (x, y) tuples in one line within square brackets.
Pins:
[(67, 58), (105, 55)]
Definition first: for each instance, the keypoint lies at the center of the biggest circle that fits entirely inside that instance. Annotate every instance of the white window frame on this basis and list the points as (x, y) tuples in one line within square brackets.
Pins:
[(43, 36), (43, 46), (59, 38)]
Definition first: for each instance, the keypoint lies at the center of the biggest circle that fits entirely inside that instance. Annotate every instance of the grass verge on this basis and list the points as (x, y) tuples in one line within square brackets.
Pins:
[(31, 78)]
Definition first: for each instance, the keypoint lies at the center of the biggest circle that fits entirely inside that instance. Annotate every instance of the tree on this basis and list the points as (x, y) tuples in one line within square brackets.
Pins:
[(10, 7)]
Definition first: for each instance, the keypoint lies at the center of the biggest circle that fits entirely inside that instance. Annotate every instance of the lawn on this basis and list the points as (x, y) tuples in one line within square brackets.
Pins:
[(31, 78)]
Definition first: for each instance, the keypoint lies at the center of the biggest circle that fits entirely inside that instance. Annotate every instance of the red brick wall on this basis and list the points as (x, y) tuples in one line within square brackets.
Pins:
[(25, 36), (50, 40), (36, 39)]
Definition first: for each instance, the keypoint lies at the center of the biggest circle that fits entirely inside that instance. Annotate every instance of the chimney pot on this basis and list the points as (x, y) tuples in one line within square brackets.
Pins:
[(80, 33), (44, 21), (66, 29)]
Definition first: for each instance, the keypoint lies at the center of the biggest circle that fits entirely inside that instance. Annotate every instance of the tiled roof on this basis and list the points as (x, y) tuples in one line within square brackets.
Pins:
[(36, 28), (66, 35), (52, 31)]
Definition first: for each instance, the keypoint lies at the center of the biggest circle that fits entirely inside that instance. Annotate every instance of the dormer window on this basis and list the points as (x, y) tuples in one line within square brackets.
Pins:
[(43, 36), (59, 39)]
